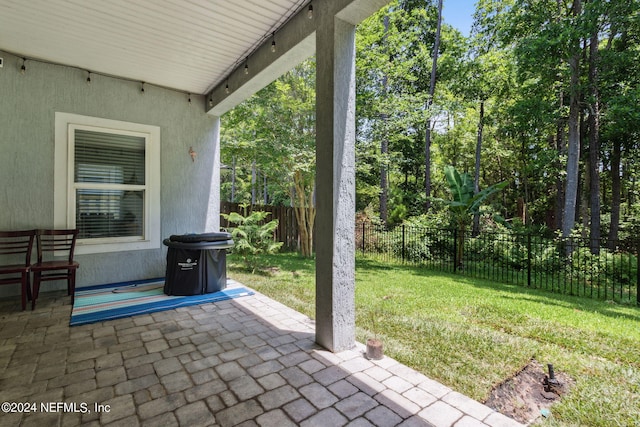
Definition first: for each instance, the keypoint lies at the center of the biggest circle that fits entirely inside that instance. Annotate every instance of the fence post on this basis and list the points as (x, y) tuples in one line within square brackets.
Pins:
[(529, 259), (455, 250), (403, 243), (363, 236)]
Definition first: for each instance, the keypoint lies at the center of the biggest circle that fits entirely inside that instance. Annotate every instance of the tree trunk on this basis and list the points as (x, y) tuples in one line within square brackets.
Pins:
[(384, 143), (582, 211), (573, 152), (253, 182), (525, 183), (632, 189), (594, 147), (265, 192), (427, 136), (476, 179), (616, 193), (561, 149), (460, 248), (233, 179), (305, 213)]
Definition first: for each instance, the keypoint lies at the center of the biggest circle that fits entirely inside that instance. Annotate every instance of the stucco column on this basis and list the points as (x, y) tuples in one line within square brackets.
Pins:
[(213, 206), (335, 184)]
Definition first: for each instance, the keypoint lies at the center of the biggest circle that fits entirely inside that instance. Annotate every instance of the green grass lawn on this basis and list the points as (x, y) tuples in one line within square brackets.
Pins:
[(471, 334)]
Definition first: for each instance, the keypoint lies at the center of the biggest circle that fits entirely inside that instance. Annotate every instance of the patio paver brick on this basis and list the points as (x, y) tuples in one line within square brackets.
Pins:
[(356, 405), (239, 413), (278, 397), (165, 420), (299, 409), (136, 384), (195, 414), (177, 381), (318, 395), (230, 371), (343, 389), (119, 407), (383, 417), (295, 376), (261, 367), (271, 381), (111, 376), (330, 375), (441, 415), (167, 366), (245, 387), (161, 405), (326, 417), (467, 405), (205, 390), (275, 418)]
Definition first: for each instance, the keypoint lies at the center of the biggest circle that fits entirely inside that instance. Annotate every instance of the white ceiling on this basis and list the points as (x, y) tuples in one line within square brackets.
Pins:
[(188, 45)]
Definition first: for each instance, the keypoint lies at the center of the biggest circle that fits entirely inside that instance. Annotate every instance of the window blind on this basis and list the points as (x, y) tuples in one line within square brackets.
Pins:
[(109, 158), (109, 176)]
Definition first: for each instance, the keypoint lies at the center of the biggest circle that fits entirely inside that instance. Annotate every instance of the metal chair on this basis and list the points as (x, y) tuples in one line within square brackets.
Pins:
[(15, 253), (53, 244)]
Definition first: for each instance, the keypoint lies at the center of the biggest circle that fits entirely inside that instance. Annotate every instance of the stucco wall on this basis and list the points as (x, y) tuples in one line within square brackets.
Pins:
[(28, 103)]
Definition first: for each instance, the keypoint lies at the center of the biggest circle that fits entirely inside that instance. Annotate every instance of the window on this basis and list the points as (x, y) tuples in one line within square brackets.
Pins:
[(107, 183)]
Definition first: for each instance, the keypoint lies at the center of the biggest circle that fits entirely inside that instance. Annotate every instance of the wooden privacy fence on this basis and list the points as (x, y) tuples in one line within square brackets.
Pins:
[(287, 231)]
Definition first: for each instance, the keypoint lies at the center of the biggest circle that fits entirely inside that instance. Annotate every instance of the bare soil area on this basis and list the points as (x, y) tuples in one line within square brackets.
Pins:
[(527, 395)]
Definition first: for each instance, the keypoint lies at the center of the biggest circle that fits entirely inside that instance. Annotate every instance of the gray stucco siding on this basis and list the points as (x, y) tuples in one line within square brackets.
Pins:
[(28, 103)]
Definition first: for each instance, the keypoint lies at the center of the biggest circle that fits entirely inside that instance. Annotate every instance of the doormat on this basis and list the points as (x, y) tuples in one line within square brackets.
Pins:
[(118, 300)]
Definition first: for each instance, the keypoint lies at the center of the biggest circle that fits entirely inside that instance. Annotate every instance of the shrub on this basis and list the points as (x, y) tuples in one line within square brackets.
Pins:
[(253, 237)]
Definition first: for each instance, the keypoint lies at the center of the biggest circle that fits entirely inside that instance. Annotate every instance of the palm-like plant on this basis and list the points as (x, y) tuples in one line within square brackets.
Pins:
[(464, 202)]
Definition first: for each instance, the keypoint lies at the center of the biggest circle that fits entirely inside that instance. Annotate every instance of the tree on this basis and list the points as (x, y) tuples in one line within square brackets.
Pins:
[(619, 91), (283, 149), (432, 89), (573, 143), (252, 236), (594, 135), (465, 202), (546, 89), (384, 141), (394, 68)]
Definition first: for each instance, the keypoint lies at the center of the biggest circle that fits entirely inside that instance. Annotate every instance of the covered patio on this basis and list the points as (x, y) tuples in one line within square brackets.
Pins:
[(167, 71), (250, 361)]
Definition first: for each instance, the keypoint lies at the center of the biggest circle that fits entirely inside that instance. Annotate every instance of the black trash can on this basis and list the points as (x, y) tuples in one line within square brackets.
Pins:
[(196, 263)]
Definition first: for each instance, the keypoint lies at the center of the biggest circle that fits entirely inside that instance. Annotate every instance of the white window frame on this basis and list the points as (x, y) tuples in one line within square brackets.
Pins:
[(65, 187)]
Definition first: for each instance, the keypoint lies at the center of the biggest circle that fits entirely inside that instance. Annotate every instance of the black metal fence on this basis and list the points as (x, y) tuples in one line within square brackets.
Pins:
[(559, 265)]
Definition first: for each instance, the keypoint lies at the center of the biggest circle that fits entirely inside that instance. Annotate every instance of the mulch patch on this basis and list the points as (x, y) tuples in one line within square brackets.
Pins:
[(524, 397)]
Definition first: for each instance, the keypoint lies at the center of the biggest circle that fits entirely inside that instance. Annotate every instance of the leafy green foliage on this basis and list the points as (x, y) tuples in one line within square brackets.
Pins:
[(252, 236), (275, 129), (515, 61), (464, 202)]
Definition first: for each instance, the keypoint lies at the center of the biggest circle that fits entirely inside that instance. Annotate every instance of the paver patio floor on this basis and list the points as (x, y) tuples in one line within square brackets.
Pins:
[(249, 361)]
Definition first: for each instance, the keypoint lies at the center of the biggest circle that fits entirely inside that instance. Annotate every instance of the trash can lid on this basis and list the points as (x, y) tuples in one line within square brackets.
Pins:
[(221, 244), (202, 237)]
